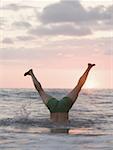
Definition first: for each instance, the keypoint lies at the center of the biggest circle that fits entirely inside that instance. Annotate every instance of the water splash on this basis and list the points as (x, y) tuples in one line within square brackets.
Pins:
[(23, 112)]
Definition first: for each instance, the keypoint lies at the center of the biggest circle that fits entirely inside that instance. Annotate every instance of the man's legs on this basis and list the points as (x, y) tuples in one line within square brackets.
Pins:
[(74, 93), (45, 97)]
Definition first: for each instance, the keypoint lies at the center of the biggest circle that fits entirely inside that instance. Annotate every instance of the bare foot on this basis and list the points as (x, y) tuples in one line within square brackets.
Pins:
[(91, 65), (28, 73)]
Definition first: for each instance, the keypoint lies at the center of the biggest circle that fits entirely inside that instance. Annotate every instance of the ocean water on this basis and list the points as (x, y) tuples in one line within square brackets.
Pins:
[(25, 124)]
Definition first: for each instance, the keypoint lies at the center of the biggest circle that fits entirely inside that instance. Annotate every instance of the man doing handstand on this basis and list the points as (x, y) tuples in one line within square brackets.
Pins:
[(59, 109)]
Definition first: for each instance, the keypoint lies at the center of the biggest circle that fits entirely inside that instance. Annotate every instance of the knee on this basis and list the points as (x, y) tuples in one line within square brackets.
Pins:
[(38, 86), (80, 80)]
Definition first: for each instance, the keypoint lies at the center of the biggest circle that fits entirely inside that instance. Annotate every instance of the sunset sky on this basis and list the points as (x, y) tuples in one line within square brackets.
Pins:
[(57, 38)]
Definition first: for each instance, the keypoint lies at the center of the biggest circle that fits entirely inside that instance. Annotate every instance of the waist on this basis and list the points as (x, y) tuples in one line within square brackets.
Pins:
[(59, 117)]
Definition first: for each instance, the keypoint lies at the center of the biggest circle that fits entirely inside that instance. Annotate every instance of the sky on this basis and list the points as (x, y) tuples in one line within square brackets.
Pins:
[(57, 39)]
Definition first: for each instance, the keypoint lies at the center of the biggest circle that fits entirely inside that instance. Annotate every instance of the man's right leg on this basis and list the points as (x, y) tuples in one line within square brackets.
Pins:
[(45, 97)]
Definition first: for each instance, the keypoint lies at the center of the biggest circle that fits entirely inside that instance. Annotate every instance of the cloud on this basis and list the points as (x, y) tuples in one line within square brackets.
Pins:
[(24, 38), (70, 18), (64, 11), (23, 53), (105, 19), (22, 24), (7, 41), (2, 22), (99, 13), (67, 18), (107, 45), (109, 52), (71, 48), (16, 53), (110, 12), (63, 29), (16, 7), (73, 11)]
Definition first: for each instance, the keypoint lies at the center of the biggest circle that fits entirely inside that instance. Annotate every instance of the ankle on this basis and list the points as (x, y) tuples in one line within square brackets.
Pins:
[(30, 72), (90, 65)]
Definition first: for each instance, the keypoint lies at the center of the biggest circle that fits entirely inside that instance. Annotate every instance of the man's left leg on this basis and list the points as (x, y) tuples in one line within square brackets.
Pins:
[(74, 93)]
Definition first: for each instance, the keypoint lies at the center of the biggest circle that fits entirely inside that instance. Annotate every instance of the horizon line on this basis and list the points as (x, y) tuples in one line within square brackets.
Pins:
[(56, 88)]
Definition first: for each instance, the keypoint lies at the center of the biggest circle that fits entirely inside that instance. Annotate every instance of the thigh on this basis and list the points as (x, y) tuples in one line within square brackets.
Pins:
[(65, 104), (45, 97), (74, 94)]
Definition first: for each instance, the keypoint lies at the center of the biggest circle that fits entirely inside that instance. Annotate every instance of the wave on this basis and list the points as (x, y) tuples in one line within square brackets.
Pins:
[(84, 127), (44, 122), (58, 93)]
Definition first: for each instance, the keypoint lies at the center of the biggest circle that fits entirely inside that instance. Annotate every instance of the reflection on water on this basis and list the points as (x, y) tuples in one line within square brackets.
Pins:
[(70, 131), (78, 131), (54, 130), (59, 130)]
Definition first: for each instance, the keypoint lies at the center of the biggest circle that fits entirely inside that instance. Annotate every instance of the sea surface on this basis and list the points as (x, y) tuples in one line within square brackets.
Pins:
[(25, 124)]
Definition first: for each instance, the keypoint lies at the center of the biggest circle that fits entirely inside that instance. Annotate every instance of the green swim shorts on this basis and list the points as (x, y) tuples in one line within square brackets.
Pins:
[(63, 105)]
